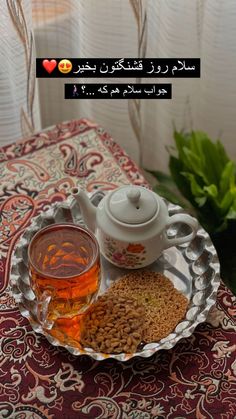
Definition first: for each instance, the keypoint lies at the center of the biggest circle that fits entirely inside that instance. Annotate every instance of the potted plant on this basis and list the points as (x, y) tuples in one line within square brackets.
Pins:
[(203, 180)]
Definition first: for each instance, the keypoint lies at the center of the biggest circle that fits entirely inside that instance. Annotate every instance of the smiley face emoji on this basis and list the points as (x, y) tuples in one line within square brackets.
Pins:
[(64, 66)]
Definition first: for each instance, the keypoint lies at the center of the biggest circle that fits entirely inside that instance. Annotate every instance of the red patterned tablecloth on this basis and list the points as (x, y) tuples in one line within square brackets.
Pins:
[(197, 379)]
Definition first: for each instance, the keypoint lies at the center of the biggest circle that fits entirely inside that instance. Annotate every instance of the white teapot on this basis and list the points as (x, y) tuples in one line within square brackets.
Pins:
[(130, 224)]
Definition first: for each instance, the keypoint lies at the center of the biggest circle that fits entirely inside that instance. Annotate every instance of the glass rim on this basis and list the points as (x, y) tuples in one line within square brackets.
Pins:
[(68, 225)]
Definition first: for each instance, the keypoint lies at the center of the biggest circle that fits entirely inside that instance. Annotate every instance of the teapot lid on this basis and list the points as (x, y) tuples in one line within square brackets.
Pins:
[(132, 204)]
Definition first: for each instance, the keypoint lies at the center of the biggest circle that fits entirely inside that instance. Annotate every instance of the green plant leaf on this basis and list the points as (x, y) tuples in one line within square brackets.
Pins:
[(181, 141), (176, 169), (196, 189), (222, 154), (212, 191), (232, 211), (205, 176), (193, 163), (227, 180), (201, 201), (204, 157), (197, 138), (226, 202), (213, 162)]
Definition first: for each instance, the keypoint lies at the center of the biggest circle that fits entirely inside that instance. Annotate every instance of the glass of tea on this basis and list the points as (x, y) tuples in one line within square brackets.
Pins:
[(64, 268)]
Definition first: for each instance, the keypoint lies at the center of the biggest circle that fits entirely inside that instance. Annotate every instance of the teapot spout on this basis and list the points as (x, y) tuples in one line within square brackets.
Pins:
[(88, 210)]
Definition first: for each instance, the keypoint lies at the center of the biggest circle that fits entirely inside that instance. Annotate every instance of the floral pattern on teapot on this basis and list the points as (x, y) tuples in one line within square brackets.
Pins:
[(130, 256)]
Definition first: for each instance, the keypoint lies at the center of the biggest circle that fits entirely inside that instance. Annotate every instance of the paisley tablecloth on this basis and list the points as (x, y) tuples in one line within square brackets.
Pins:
[(197, 379)]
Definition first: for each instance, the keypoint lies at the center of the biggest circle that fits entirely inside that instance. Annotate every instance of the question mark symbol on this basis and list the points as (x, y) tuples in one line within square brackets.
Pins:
[(83, 88)]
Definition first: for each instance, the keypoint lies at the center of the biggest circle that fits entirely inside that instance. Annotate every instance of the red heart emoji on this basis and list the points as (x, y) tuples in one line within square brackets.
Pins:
[(67, 65), (49, 65), (62, 65)]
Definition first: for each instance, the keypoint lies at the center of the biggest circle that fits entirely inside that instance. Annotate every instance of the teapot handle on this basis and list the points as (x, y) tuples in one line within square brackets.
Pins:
[(184, 219)]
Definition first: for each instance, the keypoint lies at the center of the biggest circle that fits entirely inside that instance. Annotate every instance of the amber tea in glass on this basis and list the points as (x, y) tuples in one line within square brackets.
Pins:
[(64, 267)]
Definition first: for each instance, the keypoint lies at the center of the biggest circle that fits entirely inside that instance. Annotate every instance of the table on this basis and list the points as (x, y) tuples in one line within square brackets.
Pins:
[(196, 379)]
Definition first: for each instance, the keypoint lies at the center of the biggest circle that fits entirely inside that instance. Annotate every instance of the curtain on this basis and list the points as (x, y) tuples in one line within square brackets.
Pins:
[(19, 110), (125, 28)]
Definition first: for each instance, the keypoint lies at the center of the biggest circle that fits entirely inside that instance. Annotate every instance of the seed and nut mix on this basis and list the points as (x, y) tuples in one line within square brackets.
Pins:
[(164, 305), (113, 325)]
